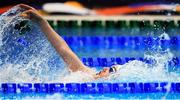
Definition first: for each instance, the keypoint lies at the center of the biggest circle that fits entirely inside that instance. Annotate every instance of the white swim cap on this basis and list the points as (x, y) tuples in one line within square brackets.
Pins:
[(114, 69)]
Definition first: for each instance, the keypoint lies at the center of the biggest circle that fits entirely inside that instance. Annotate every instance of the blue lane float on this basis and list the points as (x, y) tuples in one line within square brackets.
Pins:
[(91, 88), (121, 40), (134, 42), (105, 62)]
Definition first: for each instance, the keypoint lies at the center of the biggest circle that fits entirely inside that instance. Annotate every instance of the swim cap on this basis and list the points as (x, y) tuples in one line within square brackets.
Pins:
[(113, 69)]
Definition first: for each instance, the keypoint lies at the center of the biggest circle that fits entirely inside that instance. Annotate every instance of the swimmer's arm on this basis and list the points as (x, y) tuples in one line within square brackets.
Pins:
[(71, 59)]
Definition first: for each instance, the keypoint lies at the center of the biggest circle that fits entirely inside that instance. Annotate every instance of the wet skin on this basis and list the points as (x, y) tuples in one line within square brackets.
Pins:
[(104, 73)]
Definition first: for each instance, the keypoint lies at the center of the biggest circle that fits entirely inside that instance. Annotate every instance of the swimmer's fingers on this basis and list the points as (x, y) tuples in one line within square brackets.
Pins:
[(26, 7), (32, 15), (26, 14)]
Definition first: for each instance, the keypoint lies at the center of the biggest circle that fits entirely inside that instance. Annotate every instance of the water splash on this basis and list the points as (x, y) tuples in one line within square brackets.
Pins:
[(39, 62), (22, 63), (156, 71)]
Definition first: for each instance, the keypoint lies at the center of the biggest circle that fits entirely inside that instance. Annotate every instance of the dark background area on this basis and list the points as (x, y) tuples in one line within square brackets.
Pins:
[(90, 3)]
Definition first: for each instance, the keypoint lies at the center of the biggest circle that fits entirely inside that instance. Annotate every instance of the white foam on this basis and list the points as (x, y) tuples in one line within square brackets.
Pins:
[(31, 64), (137, 71)]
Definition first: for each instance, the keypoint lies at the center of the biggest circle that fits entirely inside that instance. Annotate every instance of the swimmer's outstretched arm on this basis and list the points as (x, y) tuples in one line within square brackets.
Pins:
[(71, 59)]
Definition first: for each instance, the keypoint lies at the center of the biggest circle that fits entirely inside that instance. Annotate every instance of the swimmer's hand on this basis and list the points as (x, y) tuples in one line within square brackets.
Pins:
[(31, 13)]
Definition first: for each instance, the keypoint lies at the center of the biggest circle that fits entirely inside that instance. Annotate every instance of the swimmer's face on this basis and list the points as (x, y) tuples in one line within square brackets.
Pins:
[(104, 72)]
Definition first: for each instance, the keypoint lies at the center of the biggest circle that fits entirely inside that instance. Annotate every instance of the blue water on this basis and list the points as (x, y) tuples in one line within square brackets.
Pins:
[(95, 96), (31, 58)]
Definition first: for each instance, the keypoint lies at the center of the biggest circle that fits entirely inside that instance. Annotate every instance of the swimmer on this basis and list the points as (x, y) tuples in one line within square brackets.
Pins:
[(70, 58)]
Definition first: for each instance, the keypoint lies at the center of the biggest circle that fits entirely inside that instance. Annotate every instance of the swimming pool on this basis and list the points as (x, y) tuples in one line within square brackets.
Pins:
[(29, 58)]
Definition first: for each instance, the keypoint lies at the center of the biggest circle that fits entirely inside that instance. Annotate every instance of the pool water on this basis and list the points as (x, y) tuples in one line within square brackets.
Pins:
[(28, 57)]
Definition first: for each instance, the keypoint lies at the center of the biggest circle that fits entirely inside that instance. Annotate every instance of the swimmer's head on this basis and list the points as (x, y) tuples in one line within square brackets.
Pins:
[(107, 71)]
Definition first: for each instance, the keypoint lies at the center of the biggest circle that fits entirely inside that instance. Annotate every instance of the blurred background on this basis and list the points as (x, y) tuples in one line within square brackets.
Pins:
[(111, 28), (112, 7)]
